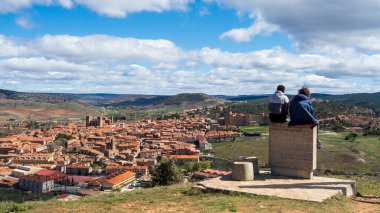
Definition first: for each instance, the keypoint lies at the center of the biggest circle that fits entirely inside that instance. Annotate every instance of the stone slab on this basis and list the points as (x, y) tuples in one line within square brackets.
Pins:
[(289, 172), (317, 189), (292, 149)]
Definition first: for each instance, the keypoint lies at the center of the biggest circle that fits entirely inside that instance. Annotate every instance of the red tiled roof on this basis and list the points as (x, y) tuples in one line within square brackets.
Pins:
[(116, 178), (185, 156), (47, 172)]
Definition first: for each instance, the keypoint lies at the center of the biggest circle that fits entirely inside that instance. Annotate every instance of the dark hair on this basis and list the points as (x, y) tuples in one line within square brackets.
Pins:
[(304, 91), (281, 88)]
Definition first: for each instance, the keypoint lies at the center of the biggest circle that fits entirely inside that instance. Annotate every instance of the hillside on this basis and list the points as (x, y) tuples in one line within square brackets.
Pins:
[(24, 105), (124, 100), (370, 100), (155, 101), (189, 99), (21, 106), (115, 100), (182, 198), (35, 97)]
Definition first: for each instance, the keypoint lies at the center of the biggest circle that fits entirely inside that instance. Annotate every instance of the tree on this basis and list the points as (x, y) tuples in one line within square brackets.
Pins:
[(166, 173), (188, 166), (197, 166), (351, 137), (206, 165)]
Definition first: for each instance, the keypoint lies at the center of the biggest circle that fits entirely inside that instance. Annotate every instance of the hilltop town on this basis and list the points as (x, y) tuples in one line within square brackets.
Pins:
[(102, 154)]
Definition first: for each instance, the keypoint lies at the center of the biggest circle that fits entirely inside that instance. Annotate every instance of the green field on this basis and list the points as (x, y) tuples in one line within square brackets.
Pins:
[(243, 146), (256, 128), (182, 198), (361, 155)]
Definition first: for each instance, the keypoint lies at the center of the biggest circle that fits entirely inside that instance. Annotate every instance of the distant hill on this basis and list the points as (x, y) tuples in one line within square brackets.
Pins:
[(28, 96), (22, 106), (128, 100), (186, 98), (370, 100), (139, 100), (104, 99), (240, 97)]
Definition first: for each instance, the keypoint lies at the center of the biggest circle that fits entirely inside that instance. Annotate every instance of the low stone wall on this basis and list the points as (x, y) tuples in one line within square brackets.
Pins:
[(292, 150)]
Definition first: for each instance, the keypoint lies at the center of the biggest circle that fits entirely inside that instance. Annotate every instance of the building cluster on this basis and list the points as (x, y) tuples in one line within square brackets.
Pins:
[(236, 119), (101, 154)]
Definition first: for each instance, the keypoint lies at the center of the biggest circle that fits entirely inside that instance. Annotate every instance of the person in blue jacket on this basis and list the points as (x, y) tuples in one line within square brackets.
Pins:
[(301, 111)]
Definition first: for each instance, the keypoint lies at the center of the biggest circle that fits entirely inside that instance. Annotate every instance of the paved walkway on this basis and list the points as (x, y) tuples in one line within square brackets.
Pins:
[(318, 189)]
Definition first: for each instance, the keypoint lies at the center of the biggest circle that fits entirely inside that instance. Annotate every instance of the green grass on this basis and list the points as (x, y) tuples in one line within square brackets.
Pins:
[(182, 198), (359, 156), (342, 156), (20, 196), (243, 146), (256, 128)]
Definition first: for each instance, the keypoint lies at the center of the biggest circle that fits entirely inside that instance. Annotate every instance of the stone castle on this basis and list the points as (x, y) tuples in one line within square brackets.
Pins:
[(99, 121), (235, 119)]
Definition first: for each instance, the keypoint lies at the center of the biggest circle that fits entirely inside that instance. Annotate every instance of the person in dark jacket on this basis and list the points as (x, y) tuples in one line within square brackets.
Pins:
[(301, 111), (278, 105)]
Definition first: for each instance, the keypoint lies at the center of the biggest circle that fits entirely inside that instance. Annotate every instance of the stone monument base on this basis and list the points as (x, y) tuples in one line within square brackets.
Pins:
[(297, 173), (317, 189), (292, 150)]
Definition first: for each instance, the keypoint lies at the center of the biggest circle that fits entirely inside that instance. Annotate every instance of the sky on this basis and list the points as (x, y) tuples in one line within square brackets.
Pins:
[(224, 47)]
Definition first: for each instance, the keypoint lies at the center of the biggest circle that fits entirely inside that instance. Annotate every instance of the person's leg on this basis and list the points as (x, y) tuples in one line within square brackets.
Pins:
[(277, 118), (319, 145)]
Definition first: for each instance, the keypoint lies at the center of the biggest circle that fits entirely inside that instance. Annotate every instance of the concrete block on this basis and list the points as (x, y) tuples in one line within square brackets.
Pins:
[(242, 171), (292, 150)]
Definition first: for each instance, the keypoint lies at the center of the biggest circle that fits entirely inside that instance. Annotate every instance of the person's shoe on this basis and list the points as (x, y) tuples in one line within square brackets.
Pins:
[(319, 145)]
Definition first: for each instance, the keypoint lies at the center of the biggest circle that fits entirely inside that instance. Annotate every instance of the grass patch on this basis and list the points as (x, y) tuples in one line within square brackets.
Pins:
[(243, 146), (359, 156), (182, 198), (342, 156), (255, 128), (21, 196)]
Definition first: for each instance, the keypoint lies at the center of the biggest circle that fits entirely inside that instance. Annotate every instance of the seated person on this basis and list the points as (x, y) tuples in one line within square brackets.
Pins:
[(278, 106), (301, 111)]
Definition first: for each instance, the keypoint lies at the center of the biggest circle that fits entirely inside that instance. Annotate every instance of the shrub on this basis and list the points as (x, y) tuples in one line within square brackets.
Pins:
[(351, 137), (166, 173), (17, 208)]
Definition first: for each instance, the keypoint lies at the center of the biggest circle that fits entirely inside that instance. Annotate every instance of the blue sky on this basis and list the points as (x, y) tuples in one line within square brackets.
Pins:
[(226, 47), (189, 29)]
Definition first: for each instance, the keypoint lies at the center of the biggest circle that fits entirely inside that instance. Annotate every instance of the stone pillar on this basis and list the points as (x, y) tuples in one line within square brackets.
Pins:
[(242, 171), (292, 150), (255, 164)]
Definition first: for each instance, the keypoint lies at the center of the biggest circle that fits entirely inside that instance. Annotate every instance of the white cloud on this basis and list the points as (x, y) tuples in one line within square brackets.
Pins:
[(203, 11), (165, 66), (103, 47), (101, 63), (12, 47), (117, 8), (245, 34), (316, 24), (24, 22), (11, 6), (66, 3), (112, 8)]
